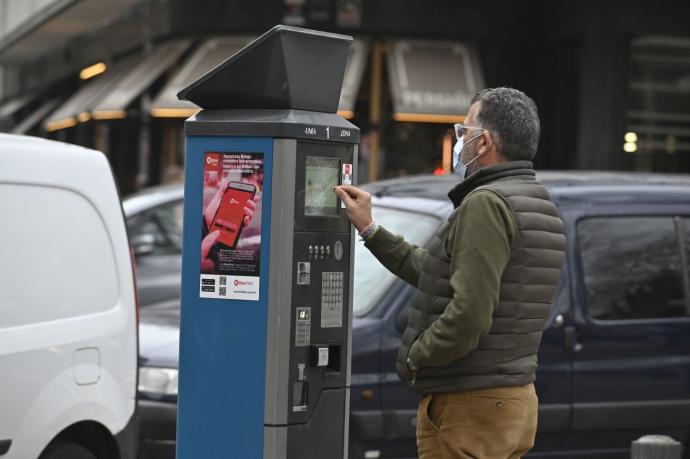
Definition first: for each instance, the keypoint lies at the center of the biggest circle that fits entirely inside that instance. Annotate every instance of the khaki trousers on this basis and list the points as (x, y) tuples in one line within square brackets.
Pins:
[(495, 423)]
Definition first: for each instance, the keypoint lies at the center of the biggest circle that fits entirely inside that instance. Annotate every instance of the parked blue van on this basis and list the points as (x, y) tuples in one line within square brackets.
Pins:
[(615, 357)]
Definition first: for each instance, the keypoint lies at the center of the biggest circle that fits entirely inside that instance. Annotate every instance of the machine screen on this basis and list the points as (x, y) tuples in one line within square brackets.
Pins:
[(322, 175)]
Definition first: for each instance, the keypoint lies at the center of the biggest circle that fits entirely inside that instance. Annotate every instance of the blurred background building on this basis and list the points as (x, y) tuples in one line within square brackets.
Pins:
[(611, 78)]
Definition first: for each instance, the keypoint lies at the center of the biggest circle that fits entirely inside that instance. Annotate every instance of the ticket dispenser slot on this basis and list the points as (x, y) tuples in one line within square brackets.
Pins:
[(270, 341), (319, 356), (327, 357)]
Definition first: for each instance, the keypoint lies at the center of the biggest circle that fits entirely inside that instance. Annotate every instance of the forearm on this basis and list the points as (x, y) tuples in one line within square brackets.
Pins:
[(398, 256)]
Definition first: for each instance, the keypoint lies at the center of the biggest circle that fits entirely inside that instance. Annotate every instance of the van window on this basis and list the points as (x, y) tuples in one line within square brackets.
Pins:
[(57, 258), (632, 268)]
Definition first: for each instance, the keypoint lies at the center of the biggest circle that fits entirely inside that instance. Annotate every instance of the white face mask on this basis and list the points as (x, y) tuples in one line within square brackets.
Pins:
[(459, 168)]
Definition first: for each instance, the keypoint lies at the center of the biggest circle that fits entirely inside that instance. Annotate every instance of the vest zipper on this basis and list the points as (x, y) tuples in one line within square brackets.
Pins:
[(414, 372)]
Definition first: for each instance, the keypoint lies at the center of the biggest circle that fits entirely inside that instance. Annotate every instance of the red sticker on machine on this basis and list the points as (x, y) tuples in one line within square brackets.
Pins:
[(347, 174)]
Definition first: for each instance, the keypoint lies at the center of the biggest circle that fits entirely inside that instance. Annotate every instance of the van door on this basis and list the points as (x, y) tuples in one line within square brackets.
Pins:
[(554, 376), (67, 317), (631, 336)]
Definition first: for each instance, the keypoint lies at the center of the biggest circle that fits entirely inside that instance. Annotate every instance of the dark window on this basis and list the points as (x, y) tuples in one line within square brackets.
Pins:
[(658, 124), (163, 223), (632, 268), (683, 225)]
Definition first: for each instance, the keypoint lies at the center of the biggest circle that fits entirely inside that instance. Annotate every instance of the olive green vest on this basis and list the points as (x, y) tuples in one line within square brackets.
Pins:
[(507, 356)]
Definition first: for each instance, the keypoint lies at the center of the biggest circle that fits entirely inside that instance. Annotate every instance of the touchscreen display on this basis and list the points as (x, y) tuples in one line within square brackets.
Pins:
[(322, 175)]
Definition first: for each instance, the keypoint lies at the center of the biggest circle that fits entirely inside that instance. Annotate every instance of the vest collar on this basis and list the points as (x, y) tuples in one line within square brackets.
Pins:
[(487, 175)]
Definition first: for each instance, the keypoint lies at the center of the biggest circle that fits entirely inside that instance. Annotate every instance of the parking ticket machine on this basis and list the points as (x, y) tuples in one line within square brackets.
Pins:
[(267, 254)]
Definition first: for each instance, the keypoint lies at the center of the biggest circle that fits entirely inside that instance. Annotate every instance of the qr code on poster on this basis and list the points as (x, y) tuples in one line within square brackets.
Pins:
[(223, 280), (222, 291)]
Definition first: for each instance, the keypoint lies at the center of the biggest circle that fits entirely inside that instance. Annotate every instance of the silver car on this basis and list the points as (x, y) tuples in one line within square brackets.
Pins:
[(154, 222)]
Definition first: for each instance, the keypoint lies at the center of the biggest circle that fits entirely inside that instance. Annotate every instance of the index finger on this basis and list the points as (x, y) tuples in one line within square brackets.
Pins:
[(352, 191), (344, 196)]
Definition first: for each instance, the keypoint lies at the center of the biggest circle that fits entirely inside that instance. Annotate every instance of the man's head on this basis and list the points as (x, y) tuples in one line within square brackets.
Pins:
[(510, 131)]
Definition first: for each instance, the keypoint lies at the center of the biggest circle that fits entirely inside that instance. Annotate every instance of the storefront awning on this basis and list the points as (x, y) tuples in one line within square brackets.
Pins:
[(35, 117), (52, 26), (356, 63), (432, 81), (211, 53), (79, 106), (137, 79), (108, 95)]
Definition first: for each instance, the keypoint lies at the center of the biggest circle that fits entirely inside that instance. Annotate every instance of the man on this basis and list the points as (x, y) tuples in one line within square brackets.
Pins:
[(485, 287)]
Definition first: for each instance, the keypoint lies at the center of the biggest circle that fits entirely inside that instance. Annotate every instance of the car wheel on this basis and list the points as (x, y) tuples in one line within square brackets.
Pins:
[(66, 450)]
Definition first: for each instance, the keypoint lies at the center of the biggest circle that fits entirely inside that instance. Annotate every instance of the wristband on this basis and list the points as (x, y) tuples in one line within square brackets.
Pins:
[(369, 231)]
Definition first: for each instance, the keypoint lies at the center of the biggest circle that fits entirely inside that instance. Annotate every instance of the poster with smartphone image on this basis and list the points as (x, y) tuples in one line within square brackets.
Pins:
[(231, 225)]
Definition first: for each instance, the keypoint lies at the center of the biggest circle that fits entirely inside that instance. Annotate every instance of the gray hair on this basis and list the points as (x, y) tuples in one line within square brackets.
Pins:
[(512, 117)]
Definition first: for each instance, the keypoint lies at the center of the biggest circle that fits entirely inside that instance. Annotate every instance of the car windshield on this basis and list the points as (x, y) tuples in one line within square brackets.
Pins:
[(372, 279)]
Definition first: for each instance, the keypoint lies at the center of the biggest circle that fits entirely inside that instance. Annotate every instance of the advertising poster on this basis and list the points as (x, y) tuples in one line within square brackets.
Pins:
[(231, 225)]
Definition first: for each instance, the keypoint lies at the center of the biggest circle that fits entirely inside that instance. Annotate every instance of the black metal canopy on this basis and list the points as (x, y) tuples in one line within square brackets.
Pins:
[(285, 68)]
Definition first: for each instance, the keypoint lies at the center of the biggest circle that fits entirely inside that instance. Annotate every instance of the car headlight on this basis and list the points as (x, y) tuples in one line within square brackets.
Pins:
[(161, 381)]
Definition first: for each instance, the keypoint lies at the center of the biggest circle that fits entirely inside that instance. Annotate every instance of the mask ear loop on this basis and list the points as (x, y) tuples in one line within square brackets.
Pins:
[(482, 135), (478, 154)]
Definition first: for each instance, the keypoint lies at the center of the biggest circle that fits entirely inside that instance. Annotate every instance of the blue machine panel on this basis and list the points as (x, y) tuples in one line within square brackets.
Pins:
[(223, 341)]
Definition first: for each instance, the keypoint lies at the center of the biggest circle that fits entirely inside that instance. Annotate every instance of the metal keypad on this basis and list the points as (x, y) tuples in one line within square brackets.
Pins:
[(332, 300), (302, 326)]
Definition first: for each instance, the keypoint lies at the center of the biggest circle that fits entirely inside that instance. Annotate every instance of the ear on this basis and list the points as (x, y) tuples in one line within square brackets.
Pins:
[(486, 143)]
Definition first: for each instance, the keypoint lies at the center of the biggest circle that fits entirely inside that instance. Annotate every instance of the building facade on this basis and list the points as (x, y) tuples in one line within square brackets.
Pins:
[(611, 78)]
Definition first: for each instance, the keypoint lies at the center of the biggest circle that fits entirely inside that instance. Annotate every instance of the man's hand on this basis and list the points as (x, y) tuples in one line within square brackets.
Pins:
[(358, 205)]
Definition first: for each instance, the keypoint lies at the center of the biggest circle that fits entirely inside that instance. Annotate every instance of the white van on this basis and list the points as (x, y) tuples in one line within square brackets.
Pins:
[(68, 310)]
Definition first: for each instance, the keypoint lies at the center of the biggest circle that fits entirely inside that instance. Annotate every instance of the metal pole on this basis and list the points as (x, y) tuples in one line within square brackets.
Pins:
[(656, 447), (447, 154), (143, 175), (375, 109)]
